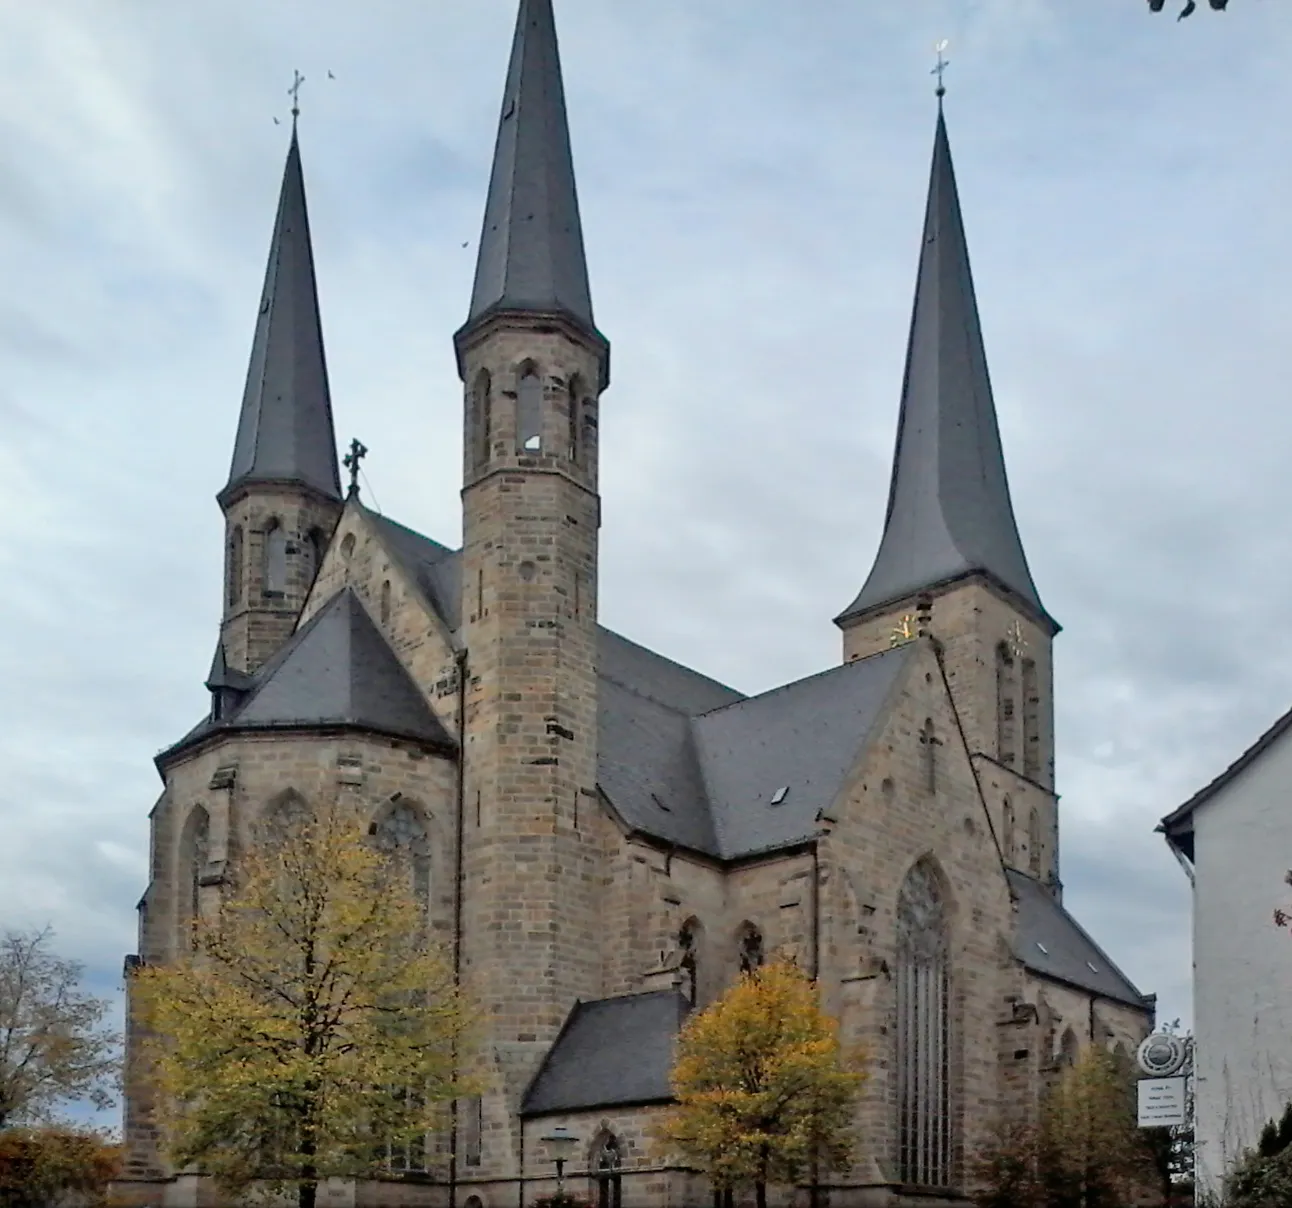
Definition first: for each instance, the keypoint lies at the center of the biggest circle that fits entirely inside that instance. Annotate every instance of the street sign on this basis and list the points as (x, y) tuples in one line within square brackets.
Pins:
[(1162, 1102)]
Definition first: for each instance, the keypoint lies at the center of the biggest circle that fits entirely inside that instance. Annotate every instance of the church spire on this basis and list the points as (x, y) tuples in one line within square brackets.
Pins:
[(285, 428), (531, 257), (949, 511)]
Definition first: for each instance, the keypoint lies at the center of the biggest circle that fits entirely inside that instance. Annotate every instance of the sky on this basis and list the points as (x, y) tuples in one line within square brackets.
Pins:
[(752, 179)]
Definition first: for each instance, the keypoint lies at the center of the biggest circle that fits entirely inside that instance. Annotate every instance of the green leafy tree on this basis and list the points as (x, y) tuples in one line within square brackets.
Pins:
[(43, 1166), (762, 1086), (1262, 1178), (313, 1025), (54, 1046)]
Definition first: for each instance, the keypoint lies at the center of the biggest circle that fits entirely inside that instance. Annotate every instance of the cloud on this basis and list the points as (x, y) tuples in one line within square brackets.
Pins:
[(752, 180)]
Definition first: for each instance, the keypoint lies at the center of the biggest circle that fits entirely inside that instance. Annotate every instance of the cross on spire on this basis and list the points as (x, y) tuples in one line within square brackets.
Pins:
[(352, 462), (940, 69), (295, 93)]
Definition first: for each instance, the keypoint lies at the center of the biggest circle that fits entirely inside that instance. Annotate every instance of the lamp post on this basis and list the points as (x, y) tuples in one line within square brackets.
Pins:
[(561, 1144)]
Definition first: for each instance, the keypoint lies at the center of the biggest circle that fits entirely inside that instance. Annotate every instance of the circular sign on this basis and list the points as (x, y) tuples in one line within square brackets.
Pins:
[(1161, 1055)]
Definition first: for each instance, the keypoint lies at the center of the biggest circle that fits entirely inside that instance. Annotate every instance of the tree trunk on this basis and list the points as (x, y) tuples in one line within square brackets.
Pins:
[(760, 1194)]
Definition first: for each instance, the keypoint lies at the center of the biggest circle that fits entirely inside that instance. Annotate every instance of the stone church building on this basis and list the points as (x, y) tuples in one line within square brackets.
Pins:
[(604, 837)]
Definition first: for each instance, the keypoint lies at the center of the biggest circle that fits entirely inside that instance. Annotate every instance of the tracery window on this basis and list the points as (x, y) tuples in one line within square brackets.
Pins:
[(688, 944), (923, 1031), (402, 830), (607, 1163), (233, 587), (275, 559), (194, 852), (1006, 706), (529, 412), (286, 813), (751, 948)]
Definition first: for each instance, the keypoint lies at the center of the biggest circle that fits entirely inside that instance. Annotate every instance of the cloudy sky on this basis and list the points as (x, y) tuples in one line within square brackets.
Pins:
[(752, 177)]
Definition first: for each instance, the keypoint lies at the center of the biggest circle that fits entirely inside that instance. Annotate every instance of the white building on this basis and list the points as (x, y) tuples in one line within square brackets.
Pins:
[(1234, 838)]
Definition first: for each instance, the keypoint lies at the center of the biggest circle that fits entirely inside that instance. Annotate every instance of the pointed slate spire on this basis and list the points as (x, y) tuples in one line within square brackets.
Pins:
[(285, 429), (949, 510), (531, 248)]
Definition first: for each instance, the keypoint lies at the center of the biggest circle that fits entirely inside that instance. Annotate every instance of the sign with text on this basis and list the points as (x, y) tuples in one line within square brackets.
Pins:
[(1162, 1102)]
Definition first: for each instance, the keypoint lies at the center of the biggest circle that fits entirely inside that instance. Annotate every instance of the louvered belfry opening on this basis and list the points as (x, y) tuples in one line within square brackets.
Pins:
[(924, 1134)]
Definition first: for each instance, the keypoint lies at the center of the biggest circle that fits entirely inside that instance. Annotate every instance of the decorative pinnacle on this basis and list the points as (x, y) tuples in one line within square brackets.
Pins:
[(352, 462), (295, 93), (939, 69)]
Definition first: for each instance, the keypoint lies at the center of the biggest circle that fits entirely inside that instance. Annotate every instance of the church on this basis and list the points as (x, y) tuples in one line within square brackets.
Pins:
[(604, 838)]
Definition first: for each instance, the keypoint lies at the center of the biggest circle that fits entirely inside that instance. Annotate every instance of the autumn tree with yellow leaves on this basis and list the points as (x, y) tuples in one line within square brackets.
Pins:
[(313, 1026), (763, 1088)]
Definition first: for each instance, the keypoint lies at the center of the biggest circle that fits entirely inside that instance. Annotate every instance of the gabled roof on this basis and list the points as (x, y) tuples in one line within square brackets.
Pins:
[(531, 254), (1178, 824), (285, 428), (612, 1052), (949, 509), (433, 568), (336, 670), (1049, 941)]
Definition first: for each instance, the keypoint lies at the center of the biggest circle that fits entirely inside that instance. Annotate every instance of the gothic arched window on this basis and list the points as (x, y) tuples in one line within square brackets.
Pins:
[(1006, 694), (1069, 1050), (923, 1031), (275, 559), (688, 943), (284, 814), (401, 830), (233, 572), (607, 1162), (194, 851), (1031, 722), (1007, 828), (529, 411), (482, 412), (1034, 843), (751, 949)]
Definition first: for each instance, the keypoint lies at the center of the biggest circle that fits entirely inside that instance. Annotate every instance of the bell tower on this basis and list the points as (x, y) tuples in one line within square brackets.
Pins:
[(951, 552), (283, 496), (534, 366)]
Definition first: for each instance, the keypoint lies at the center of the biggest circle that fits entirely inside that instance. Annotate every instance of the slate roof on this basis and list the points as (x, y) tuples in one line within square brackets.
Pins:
[(531, 255), (285, 428), (1049, 941), (611, 1052), (949, 509), (337, 670)]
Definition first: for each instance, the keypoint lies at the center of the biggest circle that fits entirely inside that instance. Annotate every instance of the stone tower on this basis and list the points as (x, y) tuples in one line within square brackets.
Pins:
[(533, 365), (951, 559), (283, 496)]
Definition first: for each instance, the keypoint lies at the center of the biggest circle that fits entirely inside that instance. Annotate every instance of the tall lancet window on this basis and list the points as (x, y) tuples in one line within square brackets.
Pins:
[(1034, 843), (1007, 824), (751, 949), (482, 418), (233, 586), (1031, 722), (929, 743), (688, 943), (275, 559), (923, 1031), (529, 411), (194, 849), (574, 418), (401, 831), (1006, 707)]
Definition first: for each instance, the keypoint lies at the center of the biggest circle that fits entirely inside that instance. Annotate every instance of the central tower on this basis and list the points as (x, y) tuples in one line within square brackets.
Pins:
[(533, 366)]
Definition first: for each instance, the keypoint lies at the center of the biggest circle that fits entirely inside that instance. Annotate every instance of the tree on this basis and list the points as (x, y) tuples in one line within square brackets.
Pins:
[(762, 1086), (1219, 6), (1087, 1150), (1262, 1177), (41, 1166), (313, 1026), (53, 1044)]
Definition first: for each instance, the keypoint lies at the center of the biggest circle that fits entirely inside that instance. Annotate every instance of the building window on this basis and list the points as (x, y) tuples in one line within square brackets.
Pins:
[(1006, 706), (275, 559), (688, 966), (1031, 722), (1007, 827), (607, 1163), (923, 1032), (1069, 1050), (193, 855), (929, 743), (529, 412), (233, 573), (482, 413), (574, 419), (317, 548), (401, 831), (385, 602), (751, 949), (403, 1157), (1034, 843), (472, 1130)]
